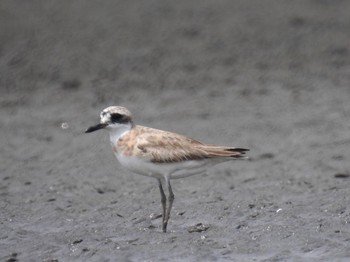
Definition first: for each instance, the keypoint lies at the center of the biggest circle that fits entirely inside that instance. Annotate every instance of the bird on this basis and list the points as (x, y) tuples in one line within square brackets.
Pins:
[(160, 154)]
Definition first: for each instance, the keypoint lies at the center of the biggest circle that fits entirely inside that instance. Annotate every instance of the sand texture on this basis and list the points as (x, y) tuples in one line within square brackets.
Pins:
[(272, 76)]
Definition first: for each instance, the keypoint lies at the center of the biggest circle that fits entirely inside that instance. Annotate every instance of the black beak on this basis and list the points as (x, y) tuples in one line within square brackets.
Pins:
[(95, 128)]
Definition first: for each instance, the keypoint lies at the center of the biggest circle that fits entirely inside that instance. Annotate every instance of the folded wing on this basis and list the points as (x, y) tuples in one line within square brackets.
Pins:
[(167, 147)]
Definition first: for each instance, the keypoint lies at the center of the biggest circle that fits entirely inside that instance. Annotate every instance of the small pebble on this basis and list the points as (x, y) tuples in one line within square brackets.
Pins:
[(198, 228), (64, 125), (77, 241)]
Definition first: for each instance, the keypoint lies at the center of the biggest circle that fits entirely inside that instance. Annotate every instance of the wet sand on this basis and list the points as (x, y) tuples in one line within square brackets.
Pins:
[(272, 76)]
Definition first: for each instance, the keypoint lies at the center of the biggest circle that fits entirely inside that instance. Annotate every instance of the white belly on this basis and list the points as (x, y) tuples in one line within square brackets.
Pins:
[(170, 170)]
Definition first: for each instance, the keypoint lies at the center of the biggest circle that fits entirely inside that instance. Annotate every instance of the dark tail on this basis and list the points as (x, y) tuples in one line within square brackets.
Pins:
[(241, 152), (220, 151)]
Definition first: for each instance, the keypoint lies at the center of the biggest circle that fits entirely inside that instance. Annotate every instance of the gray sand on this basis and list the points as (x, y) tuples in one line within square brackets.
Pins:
[(272, 76)]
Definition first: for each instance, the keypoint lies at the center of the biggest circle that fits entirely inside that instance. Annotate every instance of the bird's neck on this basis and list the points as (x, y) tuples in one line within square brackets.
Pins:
[(116, 133)]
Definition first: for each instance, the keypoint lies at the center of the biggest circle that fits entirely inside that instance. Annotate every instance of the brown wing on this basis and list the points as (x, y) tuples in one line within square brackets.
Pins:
[(165, 147)]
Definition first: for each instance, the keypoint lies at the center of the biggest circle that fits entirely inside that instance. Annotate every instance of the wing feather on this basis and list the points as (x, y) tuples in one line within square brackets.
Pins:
[(165, 147)]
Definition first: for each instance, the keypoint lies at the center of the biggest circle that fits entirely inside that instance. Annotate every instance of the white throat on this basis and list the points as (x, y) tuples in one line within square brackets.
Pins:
[(115, 133)]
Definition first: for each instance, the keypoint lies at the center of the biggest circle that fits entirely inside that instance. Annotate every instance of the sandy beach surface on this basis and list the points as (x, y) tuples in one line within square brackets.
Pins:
[(272, 76)]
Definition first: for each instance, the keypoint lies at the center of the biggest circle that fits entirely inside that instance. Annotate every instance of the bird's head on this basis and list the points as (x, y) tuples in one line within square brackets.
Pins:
[(113, 118)]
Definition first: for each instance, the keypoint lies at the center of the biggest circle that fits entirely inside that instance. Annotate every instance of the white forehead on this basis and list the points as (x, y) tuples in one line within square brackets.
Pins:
[(115, 110)]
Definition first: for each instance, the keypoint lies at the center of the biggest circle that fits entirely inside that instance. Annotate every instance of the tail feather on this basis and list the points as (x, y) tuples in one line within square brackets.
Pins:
[(238, 149), (217, 151)]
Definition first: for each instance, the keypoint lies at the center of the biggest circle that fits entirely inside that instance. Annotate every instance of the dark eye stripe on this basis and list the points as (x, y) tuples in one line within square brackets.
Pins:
[(118, 118)]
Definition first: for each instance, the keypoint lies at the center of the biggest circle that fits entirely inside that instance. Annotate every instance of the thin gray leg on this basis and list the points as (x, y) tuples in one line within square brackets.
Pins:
[(171, 198), (163, 200)]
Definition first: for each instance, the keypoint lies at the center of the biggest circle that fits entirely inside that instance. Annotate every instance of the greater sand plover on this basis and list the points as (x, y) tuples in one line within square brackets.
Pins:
[(160, 154)]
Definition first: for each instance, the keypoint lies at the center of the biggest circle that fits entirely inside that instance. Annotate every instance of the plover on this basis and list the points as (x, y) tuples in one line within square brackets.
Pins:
[(160, 154)]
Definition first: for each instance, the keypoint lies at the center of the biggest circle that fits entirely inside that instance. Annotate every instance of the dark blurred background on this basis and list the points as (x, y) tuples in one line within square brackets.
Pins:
[(121, 51)]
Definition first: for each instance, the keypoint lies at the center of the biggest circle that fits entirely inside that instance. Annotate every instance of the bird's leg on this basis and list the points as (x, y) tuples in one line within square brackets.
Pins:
[(171, 198), (163, 200)]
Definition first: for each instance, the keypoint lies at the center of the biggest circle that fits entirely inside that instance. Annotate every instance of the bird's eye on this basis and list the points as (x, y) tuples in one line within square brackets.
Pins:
[(116, 118)]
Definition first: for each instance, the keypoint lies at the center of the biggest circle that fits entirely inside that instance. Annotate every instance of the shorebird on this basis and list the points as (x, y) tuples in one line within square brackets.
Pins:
[(160, 154)]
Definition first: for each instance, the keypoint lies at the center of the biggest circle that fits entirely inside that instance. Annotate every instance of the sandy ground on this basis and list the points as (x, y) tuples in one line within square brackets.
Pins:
[(272, 76)]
